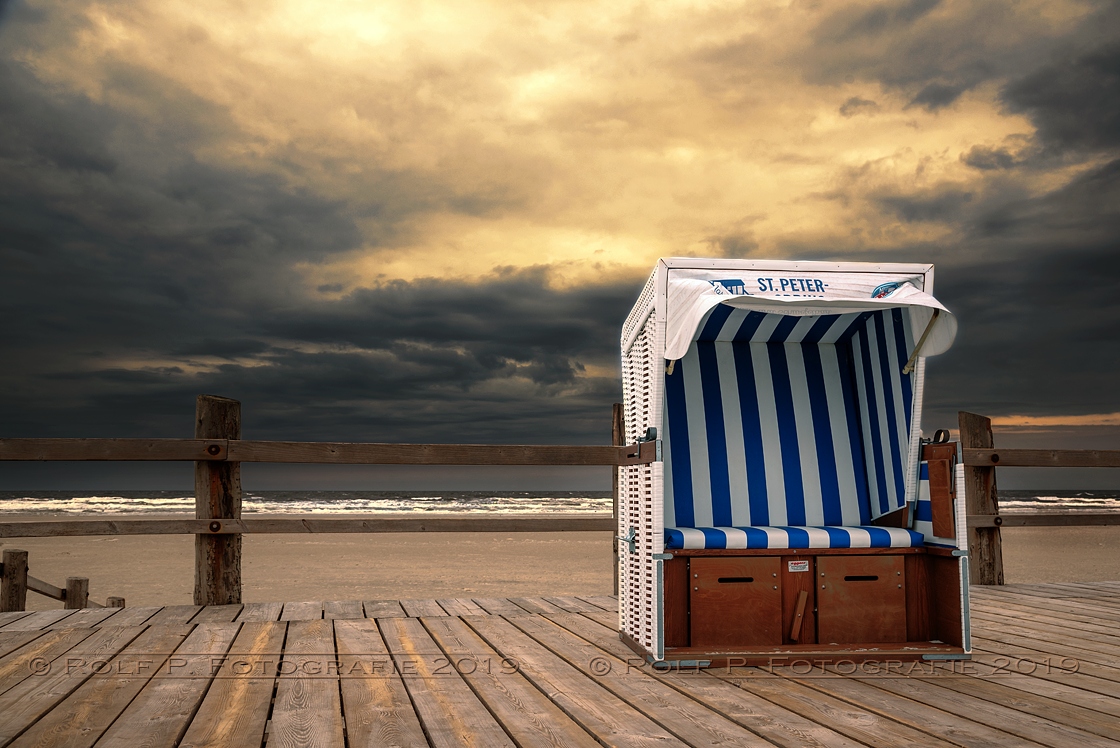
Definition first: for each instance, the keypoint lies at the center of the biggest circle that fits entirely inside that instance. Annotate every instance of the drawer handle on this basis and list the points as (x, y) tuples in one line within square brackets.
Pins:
[(861, 578), (735, 580)]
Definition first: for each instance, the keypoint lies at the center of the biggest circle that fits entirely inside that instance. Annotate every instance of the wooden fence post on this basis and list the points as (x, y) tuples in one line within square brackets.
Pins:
[(114, 602), (217, 491), (618, 439), (77, 593), (984, 543), (13, 584)]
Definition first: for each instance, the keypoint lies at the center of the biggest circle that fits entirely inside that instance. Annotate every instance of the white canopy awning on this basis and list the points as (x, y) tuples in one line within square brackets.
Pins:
[(691, 294)]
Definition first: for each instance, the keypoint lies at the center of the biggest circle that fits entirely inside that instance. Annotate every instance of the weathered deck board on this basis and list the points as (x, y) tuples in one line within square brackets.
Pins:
[(528, 714), (34, 697), (80, 719), (307, 709), (384, 609), (235, 709), (376, 703), (159, 715), (260, 612), (536, 672), (446, 705), (344, 609)]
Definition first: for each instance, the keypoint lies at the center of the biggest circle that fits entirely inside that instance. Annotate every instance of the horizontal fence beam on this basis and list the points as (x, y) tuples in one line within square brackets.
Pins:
[(45, 589), (338, 453), (533, 523), (112, 449), (1041, 457), (1074, 519)]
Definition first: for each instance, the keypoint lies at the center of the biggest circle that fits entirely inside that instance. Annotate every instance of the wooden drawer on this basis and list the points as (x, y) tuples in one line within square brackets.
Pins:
[(735, 601), (861, 599)]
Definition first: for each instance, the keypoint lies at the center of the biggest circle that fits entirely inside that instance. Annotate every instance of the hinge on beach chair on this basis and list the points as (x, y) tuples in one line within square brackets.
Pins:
[(651, 436), (631, 540)]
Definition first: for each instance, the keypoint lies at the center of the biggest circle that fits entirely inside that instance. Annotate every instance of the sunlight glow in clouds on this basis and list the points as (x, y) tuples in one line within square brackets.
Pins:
[(260, 199), (594, 137)]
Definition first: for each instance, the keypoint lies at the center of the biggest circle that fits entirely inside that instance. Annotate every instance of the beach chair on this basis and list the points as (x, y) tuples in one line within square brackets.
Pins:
[(794, 512)]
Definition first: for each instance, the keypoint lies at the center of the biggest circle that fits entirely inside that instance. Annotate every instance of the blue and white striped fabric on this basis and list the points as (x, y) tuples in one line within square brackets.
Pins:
[(695, 538), (774, 420)]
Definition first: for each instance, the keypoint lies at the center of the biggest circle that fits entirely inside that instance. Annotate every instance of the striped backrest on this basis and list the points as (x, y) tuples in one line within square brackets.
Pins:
[(787, 420)]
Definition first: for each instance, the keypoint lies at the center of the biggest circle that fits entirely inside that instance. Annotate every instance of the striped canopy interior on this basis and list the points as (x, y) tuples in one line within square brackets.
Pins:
[(774, 420)]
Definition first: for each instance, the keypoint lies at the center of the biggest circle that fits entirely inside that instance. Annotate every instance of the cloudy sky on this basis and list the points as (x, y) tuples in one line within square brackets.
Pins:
[(426, 221)]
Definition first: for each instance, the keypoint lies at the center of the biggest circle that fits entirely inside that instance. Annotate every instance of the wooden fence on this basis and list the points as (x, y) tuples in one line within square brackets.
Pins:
[(981, 457), (218, 451)]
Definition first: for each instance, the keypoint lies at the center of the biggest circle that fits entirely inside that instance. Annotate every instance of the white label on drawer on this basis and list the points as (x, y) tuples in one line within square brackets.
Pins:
[(798, 565)]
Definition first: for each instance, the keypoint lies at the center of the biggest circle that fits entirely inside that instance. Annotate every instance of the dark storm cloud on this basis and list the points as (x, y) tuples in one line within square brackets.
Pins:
[(133, 283), (1034, 288), (1074, 102), (933, 52)]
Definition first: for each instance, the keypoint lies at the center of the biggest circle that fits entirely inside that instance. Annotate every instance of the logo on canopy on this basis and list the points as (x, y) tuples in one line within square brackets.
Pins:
[(884, 290), (730, 286)]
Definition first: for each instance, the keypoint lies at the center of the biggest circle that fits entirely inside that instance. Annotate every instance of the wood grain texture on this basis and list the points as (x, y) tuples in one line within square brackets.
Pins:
[(1042, 519), (303, 611), (217, 496), (460, 607), (13, 581), (529, 716), (79, 528), (173, 614), (160, 713), (10, 642), (375, 702), (992, 457), (984, 543), (689, 720), (436, 454), (417, 608), (235, 707), (88, 711), (307, 711), (553, 697), (343, 609), (580, 696), (500, 606), (448, 709), (261, 612), (383, 609), (83, 619), (220, 449), (218, 614), (779, 726), (38, 620), (46, 589), (35, 646), (23, 704), (121, 450)]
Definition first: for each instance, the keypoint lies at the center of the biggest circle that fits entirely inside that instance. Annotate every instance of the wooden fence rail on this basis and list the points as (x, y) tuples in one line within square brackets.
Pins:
[(217, 452), (326, 453), (980, 458)]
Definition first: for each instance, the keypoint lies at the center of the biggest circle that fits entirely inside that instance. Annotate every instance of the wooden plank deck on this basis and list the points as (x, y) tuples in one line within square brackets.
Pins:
[(536, 672)]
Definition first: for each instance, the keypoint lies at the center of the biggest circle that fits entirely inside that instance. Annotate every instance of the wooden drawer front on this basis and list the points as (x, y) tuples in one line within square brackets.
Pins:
[(735, 601), (861, 599)]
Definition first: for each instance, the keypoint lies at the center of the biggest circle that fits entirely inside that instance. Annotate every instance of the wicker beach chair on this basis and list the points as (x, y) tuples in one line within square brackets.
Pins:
[(795, 511)]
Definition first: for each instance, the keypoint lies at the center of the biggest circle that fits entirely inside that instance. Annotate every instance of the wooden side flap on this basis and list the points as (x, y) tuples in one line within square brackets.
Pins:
[(940, 461)]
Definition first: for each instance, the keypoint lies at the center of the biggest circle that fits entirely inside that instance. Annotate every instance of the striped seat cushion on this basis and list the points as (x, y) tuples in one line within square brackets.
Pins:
[(697, 538)]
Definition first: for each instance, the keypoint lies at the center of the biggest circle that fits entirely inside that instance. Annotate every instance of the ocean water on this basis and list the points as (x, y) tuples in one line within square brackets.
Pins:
[(310, 502), (139, 503)]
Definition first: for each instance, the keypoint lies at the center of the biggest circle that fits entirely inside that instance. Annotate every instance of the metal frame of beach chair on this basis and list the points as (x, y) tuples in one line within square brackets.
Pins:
[(794, 510)]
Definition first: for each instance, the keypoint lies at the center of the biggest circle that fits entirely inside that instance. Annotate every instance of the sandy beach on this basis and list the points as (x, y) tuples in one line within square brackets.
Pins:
[(158, 570)]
